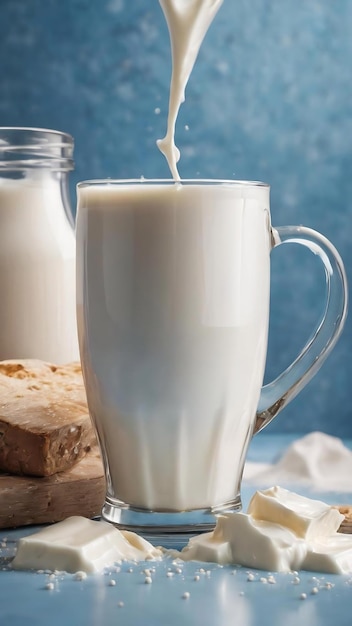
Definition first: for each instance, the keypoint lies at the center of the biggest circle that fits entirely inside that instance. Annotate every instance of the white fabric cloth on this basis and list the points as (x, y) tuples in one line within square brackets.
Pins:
[(317, 461)]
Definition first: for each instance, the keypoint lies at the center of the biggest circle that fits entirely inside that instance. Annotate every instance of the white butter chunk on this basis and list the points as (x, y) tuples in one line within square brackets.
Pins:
[(80, 544), (261, 544), (307, 518), (208, 547), (281, 532), (332, 555)]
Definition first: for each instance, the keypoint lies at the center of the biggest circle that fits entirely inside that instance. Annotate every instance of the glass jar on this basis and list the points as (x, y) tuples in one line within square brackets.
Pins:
[(37, 246)]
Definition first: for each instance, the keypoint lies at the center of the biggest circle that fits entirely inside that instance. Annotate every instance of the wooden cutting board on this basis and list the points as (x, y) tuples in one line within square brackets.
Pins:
[(30, 500)]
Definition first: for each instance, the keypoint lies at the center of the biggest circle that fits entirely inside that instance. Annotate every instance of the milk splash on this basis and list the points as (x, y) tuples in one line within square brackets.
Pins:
[(188, 22)]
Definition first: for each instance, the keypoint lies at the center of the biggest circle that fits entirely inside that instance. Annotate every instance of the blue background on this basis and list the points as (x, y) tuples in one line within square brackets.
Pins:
[(270, 98)]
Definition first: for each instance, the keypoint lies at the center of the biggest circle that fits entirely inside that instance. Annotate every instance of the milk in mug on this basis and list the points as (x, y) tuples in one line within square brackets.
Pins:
[(173, 304)]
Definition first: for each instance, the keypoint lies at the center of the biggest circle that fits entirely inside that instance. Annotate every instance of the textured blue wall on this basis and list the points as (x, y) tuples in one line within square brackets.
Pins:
[(270, 98)]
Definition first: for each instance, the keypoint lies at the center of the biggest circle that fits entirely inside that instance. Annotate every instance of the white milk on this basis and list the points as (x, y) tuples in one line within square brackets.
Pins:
[(188, 22), (37, 271), (172, 317)]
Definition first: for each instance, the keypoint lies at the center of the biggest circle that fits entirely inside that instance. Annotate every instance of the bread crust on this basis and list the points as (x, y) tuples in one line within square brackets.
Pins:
[(45, 426)]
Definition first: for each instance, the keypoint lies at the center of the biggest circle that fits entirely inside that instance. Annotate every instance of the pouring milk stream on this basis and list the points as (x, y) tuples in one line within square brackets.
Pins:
[(188, 22)]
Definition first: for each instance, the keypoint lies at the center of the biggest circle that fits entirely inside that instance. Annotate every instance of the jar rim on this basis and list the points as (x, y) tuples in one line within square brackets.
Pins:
[(26, 147)]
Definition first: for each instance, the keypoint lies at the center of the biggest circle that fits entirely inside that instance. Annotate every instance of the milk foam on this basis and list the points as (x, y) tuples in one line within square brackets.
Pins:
[(188, 22), (175, 304)]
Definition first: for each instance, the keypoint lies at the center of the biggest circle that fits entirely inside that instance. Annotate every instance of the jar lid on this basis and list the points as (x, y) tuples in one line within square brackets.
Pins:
[(22, 148)]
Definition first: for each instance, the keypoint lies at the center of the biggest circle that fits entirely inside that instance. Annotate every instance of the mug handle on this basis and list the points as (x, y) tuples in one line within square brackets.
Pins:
[(277, 394)]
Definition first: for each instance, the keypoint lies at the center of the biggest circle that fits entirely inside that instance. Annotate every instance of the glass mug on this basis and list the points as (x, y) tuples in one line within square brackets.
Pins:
[(173, 284)]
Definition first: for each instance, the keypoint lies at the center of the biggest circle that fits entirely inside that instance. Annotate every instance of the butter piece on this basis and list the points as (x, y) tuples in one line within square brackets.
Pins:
[(208, 547), (282, 531), (305, 517), (261, 544), (332, 555), (80, 544)]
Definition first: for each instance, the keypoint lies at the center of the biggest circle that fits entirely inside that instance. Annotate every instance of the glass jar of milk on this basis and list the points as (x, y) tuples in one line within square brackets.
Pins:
[(37, 246)]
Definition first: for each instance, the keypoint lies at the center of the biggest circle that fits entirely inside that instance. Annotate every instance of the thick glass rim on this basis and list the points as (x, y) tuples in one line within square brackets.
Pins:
[(105, 182)]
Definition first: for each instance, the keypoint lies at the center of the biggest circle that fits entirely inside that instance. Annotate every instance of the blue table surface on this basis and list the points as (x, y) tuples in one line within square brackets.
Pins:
[(218, 595)]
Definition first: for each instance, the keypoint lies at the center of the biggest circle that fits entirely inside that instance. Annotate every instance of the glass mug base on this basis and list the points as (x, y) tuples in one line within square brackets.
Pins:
[(174, 527)]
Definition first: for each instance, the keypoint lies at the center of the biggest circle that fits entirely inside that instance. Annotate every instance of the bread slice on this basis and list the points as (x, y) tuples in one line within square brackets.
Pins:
[(45, 427)]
